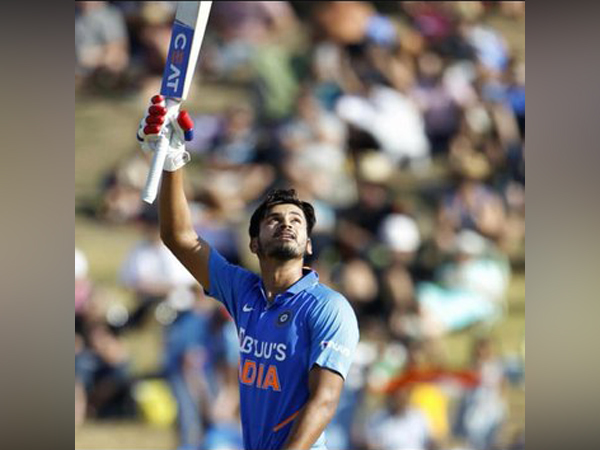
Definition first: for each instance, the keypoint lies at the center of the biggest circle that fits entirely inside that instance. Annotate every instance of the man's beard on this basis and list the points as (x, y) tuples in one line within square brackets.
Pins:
[(282, 251)]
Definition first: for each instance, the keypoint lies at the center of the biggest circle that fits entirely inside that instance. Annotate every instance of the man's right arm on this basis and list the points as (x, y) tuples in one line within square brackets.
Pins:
[(176, 228)]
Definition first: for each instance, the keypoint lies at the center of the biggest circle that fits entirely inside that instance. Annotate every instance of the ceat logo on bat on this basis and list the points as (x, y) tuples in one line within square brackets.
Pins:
[(177, 57), (177, 61)]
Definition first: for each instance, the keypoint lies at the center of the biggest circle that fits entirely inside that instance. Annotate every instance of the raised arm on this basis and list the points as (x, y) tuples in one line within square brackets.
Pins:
[(176, 228), (325, 388), (177, 231)]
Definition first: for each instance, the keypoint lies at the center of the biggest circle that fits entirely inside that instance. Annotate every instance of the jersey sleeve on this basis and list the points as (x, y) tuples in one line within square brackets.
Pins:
[(228, 282), (334, 335)]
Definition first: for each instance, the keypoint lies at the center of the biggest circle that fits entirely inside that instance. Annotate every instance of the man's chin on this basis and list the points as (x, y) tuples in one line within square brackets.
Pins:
[(284, 253)]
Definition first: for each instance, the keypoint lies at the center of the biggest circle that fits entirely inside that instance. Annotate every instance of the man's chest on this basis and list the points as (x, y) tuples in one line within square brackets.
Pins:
[(279, 332), (274, 343)]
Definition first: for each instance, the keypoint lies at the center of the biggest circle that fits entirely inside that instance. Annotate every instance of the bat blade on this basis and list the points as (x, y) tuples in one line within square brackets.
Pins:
[(187, 35), (186, 39)]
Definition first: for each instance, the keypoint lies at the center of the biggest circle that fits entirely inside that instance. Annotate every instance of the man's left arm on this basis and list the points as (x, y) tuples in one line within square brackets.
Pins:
[(325, 387)]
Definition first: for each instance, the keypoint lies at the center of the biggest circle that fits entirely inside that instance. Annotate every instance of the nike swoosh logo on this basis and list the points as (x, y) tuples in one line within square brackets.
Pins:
[(247, 309)]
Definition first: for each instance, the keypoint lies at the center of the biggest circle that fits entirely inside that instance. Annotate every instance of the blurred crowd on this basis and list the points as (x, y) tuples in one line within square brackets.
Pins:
[(404, 124)]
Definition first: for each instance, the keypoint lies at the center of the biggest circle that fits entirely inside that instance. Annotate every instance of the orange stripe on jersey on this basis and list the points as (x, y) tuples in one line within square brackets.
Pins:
[(286, 421)]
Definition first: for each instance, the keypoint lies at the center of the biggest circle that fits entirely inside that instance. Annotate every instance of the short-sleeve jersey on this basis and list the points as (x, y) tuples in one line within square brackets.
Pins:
[(279, 343)]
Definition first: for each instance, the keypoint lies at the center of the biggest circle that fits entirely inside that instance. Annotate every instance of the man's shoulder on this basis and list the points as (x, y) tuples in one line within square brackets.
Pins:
[(324, 293), (328, 299), (217, 261)]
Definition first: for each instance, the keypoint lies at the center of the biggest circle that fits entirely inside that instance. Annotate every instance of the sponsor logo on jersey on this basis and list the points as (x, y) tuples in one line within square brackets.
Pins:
[(336, 347), (261, 349), (256, 367), (259, 375)]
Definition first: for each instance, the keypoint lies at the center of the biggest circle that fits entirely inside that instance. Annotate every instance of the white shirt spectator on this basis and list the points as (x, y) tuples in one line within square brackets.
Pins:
[(153, 263), (392, 118), (81, 265), (408, 431)]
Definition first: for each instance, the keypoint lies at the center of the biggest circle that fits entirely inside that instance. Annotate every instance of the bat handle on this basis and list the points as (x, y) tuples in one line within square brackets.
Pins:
[(161, 147), (154, 175)]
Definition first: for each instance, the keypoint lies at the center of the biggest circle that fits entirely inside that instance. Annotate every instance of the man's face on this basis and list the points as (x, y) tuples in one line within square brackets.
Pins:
[(283, 234)]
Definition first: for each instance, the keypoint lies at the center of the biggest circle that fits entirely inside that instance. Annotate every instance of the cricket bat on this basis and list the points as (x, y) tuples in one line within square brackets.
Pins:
[(186, 39)]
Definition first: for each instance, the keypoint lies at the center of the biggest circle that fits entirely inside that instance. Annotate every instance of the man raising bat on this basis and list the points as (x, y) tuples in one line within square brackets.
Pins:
[(297, 336)]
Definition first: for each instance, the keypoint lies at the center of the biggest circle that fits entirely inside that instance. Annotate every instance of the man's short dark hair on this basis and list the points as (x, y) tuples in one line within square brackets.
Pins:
[(279, 197)]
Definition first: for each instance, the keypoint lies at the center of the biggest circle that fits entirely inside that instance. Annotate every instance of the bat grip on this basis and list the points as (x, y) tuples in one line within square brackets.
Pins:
[(154, 175), (161, 147)]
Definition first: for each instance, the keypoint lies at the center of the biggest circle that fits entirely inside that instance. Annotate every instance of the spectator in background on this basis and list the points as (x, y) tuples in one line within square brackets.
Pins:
[(515, 94), (101, 361), (102, 375), (237, 141), (103, 368), (224, 352), (351, 34), (82, 294), (348, 23), (215, 223), (151, 23), (241, 28), (482, 410), (80, 395), (518, 441), (313, 142), (424, 368), (434, 21), (406, 319), (355, 67), (186, 339), (222, 375), (83, 284), (391, 118), (468, 289), (236, 168), (357, 280), (122, 189), (440, 112), (343, 432), (358, 224), (438, 26), (491, 50), (400, 233), (256, 42), (201, 361), (399, 426), (200, 365), (150, 271), (101, 44), (472, 204)]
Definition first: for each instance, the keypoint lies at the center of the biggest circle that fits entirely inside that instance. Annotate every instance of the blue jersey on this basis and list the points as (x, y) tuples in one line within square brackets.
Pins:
[(279, 343)]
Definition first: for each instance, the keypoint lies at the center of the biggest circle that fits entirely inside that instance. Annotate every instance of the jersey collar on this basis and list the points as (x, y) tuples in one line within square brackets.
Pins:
[(309, 279)]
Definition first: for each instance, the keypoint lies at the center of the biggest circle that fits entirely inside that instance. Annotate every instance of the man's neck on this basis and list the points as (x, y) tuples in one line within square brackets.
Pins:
[(278, 276)]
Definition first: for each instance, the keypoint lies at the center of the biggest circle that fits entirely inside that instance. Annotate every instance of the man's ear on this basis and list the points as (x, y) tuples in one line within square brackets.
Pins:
[(309, 246), (254, 245)]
